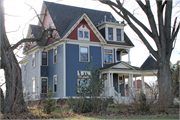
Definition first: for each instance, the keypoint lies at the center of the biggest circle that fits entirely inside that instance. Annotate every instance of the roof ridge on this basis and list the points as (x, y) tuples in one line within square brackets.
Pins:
[(75, 6)]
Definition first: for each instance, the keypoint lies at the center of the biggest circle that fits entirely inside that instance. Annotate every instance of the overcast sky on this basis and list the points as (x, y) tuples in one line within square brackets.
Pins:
[(19, 15)]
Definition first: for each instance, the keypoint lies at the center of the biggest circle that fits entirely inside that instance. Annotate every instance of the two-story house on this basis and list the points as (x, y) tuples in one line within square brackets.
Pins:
[(80, 34)]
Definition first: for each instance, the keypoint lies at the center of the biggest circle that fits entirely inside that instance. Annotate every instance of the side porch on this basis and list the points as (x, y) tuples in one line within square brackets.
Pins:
[(121, 82)]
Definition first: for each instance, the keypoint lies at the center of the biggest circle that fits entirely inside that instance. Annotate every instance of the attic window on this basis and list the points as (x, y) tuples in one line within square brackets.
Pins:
[(83, 33)]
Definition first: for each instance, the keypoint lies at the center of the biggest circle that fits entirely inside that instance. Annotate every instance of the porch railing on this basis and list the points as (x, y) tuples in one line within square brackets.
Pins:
[(116, 95)]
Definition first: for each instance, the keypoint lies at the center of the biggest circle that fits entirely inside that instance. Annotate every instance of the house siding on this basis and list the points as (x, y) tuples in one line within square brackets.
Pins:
[(73, 65), (31, 72), (56, 69)]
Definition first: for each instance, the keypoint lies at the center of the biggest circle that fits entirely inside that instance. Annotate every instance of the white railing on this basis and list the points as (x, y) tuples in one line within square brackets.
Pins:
[(116, 95)]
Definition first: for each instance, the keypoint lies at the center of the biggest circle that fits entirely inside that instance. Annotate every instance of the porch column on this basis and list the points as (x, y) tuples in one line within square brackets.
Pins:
[(130, 84), (108, 79), (129, 57), (111, 79), (142, 83), (135, 83)]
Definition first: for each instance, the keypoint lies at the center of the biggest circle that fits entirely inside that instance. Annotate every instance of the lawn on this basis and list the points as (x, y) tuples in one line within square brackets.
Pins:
[(147, 117)]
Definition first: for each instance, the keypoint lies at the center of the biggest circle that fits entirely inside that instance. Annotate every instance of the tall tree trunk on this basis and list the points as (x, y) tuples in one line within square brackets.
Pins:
[(14, 101), (164, 83)]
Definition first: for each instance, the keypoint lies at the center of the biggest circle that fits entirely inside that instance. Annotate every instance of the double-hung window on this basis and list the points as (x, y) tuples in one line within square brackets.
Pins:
[(33, 85), (83, 53), (33, 60), (110, 33), (44, 85), (118, 31), (55, 83), (108, 56), (44, 58), (55, 55)]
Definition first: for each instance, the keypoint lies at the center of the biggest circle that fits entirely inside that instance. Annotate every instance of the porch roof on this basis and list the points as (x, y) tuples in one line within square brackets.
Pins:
[(128, 67)]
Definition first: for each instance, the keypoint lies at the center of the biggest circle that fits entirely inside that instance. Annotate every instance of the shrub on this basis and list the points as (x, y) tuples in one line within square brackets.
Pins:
[(49, 104), (143, 103), (86, 105)]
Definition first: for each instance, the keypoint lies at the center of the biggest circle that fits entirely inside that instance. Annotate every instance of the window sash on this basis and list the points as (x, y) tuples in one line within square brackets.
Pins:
[(44, 85), (84, 53), (33, 86), (118, 31), (86, 34), (33, 60), (44, 58), (55, 83), (110, 33), (80, 33), (108, 56), (55, 55)]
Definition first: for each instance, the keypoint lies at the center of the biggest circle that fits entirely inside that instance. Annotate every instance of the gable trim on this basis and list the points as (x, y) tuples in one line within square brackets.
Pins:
[(91, 25)]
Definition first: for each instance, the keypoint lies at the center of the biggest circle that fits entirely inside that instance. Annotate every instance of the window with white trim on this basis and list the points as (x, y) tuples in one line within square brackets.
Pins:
[(110, 33), (44, 58), (83, 78), (55, 55), (83, 33), (118, 34), (33, 85), (25, 70), (44, 85), (33, 60), (55, 83), (83, 53), (108, 56)]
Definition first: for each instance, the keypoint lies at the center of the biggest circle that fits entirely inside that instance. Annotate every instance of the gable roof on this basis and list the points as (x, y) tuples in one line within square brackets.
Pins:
[(70, 13), (149, 64), (112, 66)]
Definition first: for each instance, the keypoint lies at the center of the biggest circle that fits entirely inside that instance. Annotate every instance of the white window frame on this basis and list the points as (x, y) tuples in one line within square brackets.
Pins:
[(108, 53), (41, 84), (55, 76), (112, 34), (54, 55), (25, 70), (42, 58), (120, 35), (84, 29), (33, 57), (82, 73), (80, 53), (33, 85)]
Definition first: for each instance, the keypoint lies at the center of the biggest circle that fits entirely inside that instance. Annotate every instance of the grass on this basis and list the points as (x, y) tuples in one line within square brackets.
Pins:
[(111, 108), (146, 117)]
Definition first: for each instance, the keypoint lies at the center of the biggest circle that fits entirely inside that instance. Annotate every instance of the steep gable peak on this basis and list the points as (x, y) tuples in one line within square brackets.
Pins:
[(84, 19)]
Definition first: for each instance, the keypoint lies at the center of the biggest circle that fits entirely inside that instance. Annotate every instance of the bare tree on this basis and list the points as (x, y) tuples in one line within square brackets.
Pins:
[(14, 101), (162, 33)]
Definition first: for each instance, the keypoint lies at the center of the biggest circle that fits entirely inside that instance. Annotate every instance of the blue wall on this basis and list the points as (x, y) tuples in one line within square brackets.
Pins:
[(73, 65), (55, 69)]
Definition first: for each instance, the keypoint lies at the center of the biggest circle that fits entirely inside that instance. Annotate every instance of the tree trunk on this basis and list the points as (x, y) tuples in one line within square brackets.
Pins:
[(164, 83), (14, 101)]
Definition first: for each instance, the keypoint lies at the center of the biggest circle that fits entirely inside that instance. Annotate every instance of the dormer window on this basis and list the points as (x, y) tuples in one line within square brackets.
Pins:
[(110, 33), (118, 32), (83, 33)]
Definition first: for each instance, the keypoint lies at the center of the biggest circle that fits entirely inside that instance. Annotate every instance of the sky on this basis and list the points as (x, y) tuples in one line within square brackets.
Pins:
[(19, 16)]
